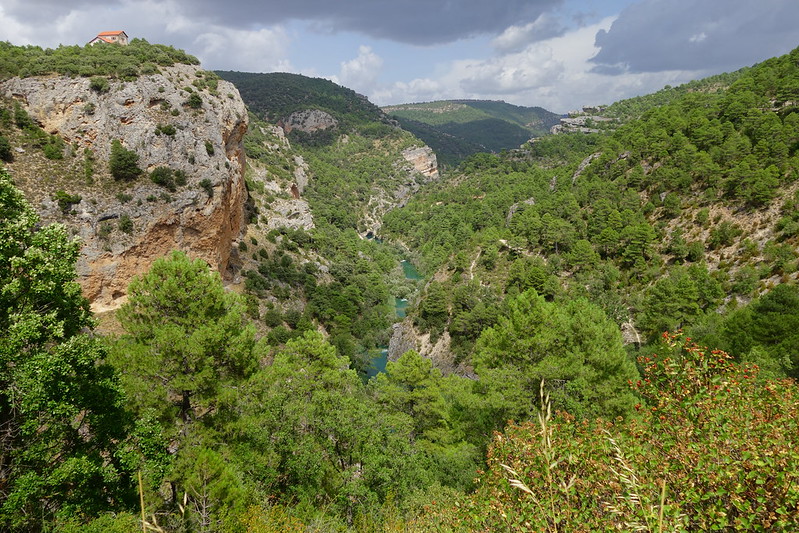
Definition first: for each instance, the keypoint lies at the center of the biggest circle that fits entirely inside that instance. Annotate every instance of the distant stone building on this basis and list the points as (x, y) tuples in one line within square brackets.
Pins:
[(113, 37)]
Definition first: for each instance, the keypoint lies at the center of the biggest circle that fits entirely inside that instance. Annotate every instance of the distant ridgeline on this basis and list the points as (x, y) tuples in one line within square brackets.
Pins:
[(456, 129), (275, 96)]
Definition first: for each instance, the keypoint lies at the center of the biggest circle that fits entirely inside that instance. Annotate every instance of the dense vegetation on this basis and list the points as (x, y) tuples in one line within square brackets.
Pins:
[(125, 62), (456, 129), (552, 273), (625, 219), (276, 95), (713, 449)]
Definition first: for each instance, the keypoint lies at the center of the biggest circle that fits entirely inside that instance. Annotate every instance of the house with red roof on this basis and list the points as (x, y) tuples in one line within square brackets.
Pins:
[(113, 37)]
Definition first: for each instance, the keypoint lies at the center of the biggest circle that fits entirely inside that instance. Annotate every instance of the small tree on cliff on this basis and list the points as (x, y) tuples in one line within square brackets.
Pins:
[(123, 163)]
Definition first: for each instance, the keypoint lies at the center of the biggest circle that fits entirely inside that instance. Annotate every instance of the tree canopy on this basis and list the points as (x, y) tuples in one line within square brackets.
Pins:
[(61, 406), (574, 347)]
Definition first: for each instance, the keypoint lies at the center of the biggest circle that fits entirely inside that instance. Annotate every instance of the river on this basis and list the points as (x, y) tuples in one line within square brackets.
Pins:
[(379, 361)]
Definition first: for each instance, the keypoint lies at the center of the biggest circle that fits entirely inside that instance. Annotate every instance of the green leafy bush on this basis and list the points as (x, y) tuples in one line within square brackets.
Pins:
[(714, 449), (123, 163), (99, 84), (6, 153), (207, 186), (163, 176), (166, 129), (194, 101), (66, 200), (125, 224)]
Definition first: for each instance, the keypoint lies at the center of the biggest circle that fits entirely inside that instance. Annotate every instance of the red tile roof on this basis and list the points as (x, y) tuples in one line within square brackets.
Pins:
[(110, 33)]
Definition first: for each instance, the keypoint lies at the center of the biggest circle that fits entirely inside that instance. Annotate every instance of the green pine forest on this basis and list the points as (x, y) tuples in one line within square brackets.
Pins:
[(615, 319)]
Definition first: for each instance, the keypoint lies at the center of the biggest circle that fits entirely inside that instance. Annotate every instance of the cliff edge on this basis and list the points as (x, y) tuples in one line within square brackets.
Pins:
[(180, 118)]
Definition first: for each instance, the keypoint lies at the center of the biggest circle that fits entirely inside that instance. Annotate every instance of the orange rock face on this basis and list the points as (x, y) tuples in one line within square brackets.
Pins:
[(204, 217)]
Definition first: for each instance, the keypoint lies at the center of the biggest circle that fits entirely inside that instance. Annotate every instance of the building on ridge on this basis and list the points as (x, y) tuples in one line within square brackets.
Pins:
[(112, 37)]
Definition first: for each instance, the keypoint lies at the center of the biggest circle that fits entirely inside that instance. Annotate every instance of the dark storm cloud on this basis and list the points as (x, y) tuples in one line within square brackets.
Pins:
[(408, 21), (703, 35), (39, 11)]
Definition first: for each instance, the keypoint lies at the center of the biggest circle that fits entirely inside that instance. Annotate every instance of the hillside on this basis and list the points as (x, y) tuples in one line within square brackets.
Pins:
[(275, 96), (456, 129), (536, 311), (671, 221), (363, 164)]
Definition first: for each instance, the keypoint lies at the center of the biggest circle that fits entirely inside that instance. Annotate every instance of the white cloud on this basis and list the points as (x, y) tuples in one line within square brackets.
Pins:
[(516, 38), (555, 74), (417, 90), (362, 72), (261, 50)]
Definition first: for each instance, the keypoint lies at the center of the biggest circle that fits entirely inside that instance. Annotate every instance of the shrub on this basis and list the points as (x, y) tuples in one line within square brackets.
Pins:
[(166, 129), (105, 231), (21, 118), (99, 84), (123, 163), (714, 449), (207, 186), (209, 148), (125, 224), (723, 234), (6, 154), (163, 176), (194, 101), (66, 200), (54, 149), (180, 177)]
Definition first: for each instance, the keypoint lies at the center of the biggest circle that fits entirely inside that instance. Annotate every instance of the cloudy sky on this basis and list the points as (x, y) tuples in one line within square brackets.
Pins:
[(558, 54)]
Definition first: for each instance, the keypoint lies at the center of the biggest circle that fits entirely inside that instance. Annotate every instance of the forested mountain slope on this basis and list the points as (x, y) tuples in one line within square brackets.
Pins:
[(550, 274), (683, 213), (456, 129)]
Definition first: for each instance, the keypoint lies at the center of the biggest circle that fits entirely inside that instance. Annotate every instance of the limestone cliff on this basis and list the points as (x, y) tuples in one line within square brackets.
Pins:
[(404, 337), (160, 118), (309, 121), (423, 160), (417, 166)]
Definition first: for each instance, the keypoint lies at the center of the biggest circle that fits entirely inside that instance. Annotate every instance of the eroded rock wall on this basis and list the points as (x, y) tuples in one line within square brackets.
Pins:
[(152, 117)]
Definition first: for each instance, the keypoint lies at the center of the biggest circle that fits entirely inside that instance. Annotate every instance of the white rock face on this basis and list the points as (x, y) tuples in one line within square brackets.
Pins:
[(423, 161), (309, 121), (206, 145)]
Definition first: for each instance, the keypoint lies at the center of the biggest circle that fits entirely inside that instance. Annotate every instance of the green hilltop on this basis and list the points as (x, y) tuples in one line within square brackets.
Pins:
[(275, 95), (456, 129)]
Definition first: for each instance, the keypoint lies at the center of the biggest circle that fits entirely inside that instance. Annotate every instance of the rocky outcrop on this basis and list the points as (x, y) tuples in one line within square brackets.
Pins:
[(405, 337), (309, 121), (285, 211), (423, 160), (417, 167), (152, 117)]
